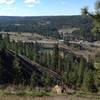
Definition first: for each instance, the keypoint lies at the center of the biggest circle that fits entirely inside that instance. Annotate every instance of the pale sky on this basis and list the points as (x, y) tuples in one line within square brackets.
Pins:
[(43, 7)]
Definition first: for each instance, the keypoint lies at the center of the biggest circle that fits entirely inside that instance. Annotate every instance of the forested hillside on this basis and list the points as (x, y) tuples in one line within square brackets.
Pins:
[(75, 71), (48, 25)]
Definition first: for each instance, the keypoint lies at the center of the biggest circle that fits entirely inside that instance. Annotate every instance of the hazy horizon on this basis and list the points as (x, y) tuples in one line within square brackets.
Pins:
[(37, 15), (43, 7)]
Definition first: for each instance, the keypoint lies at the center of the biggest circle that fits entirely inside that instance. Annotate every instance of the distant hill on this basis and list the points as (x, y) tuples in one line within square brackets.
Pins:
[(47, 25)]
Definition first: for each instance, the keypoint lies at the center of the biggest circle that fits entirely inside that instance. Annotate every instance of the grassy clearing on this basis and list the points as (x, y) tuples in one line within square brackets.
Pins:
[(30, 95), (88, 95), (25, 93)]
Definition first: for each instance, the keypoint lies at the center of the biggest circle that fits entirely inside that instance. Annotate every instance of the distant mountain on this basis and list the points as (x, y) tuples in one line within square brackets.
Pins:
[(46, 25)]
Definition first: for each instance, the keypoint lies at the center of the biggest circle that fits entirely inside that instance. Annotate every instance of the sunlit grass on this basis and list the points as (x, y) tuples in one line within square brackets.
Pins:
[(25, 93)]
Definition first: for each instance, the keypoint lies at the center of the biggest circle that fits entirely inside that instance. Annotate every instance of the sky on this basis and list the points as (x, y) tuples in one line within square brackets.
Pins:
[(43, 7)]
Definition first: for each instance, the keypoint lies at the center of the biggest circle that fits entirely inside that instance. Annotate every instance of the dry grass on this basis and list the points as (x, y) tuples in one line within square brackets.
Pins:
[(24, 93), (44, 98)]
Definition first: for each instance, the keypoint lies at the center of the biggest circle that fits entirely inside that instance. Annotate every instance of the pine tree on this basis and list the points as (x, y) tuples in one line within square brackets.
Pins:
[(46, 79), (96, 19), (82, 66), (97, 75), (36, 51), (21, 75), (89, 82), (33, 80), (56, 57), (18, 78)]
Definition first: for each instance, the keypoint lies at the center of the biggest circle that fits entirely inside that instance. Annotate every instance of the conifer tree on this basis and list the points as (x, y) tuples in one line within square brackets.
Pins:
[(96, 19), (81, 71), (33, 80), (89, 82), (56, 56)]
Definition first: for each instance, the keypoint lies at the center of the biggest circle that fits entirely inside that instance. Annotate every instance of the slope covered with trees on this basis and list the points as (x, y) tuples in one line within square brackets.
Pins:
[(75, 71), (47, 25)]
